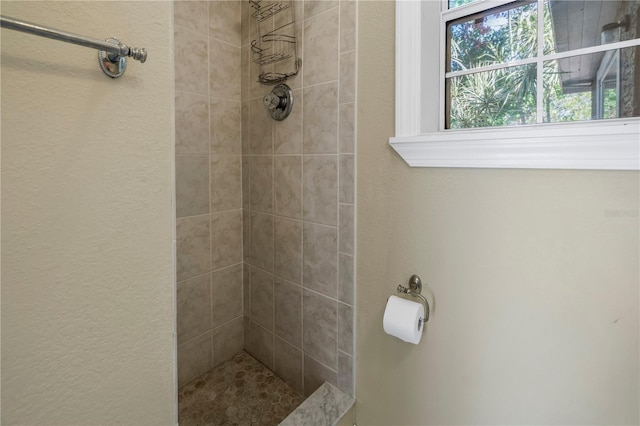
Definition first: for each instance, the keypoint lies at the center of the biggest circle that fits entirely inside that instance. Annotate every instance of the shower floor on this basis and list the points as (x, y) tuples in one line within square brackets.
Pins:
[(241, 391)]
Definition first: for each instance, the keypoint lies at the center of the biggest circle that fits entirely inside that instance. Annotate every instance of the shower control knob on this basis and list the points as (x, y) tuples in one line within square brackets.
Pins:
[(279, 102)]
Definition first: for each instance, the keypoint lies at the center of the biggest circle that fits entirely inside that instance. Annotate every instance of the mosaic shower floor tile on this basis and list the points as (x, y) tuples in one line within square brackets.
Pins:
[(241, 391)]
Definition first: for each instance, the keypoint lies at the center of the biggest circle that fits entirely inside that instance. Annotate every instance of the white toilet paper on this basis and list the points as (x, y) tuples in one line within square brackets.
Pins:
[(401, 319)]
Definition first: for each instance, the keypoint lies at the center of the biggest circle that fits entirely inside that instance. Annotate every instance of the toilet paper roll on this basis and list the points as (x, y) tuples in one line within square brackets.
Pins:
[(401, 319)]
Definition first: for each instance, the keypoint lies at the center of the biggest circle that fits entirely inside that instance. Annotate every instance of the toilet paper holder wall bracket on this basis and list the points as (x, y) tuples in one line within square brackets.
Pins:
[(414, 289)]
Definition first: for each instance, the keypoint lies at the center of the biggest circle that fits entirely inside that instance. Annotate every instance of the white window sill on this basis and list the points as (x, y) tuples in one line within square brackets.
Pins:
[(604, 145)]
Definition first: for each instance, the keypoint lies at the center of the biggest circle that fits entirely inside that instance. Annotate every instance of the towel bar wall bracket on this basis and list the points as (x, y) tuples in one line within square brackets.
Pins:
[(112, 55)]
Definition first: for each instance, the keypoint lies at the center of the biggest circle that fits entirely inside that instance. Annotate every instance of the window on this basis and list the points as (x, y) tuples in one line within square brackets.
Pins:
[(490, 110)]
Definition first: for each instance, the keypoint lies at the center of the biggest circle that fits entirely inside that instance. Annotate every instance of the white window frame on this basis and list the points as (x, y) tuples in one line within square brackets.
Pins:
[(607, 144)]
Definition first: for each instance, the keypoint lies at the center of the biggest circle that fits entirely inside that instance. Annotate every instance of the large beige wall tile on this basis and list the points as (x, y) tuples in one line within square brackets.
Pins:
[(261, 183), (193, 246), (226, 182), (194, 307), (348, 77), (345, 279), (192, 185), (227, 340), (262, 298), (226, 238), (345, 374), (347, 128), (321, 47), (224, 70), (192, 123), (191, 15), (345, 328), (288, 363), (315, 374), (320, 259), (226, 295), (288, 249), (347, 26), (313, 7), (320, 119), (287, 185), (320, 190), (224, 21), (288, 312), (346, 229), (194, 358), (226, 125), (191, 62), (261, 345), (320, 328), (262, 241), (347, 179)]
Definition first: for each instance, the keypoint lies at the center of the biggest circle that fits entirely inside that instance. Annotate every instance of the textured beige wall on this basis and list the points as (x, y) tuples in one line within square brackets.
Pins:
[(534, 274), (87, 220)]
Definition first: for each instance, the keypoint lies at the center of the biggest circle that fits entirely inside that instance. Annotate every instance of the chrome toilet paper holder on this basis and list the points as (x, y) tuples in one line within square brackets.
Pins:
[(414, 289)]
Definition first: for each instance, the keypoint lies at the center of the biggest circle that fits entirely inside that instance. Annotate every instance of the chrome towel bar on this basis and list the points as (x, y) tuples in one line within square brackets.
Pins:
[(112, 54)]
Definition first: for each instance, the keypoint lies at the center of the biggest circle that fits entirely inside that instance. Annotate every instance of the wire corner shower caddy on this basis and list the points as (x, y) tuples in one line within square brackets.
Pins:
[(275, 50)]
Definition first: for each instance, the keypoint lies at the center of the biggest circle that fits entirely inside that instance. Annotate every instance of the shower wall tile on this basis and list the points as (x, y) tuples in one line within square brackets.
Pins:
[(224, 21), (246, 290), (262, 298), (246, 237), (288, 363), (192, 185), (245, 58), (287, 134), (287, 186), (315, 374), (226, 295), (347, 128), (191, 61), (262, 241), (224, 78), (320, 119), (193, 307), (321, 46), (194, 358), (320, 328), (288, 312), (347, 179), (313, 7), (320, 189), (347, 26), (299, 199), (226, 124), (348, 77), (193, 246), (191, 15), (226, 183), (346, 240), (345, 328), (345, 373), (345, 279), (288, 249), (261, 345), (260, 128), (192, 123), (320, 260), (261, 183), (226, 242), (227, 340)]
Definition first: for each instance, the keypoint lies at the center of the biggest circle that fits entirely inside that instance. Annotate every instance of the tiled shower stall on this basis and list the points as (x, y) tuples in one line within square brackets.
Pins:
[(265, 209)]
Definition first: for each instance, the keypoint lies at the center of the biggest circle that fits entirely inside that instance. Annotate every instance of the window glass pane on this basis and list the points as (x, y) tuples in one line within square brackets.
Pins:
[(596, 86), (457, 3), (503, 97), (499, 35), (579, 24)]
